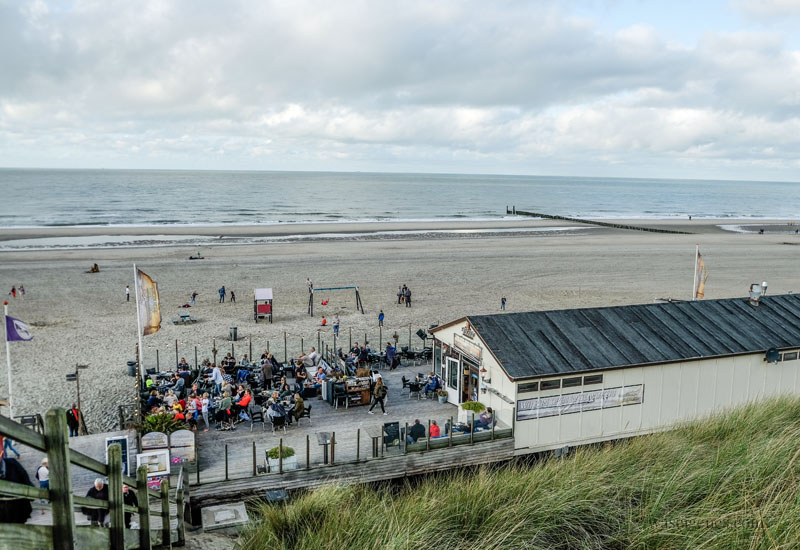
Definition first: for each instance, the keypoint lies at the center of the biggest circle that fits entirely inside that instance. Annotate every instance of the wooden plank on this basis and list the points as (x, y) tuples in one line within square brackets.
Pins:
[(144, 508), (87, 462), (115, 503), (26, 537), (61, 505), (87, 537), (11, 489), (18, 432), (89, 502), (165, 527)]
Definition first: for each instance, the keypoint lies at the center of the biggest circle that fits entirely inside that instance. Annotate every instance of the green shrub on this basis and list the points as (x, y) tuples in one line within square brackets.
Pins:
[(273, 452), (474, 406), (164, 423)]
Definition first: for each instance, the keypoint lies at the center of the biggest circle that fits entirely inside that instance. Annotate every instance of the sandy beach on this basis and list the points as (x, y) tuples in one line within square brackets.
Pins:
[(77, 317)]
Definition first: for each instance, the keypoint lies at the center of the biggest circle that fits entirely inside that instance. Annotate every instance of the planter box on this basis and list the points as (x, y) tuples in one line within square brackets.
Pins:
[(466, 416), (288, 464), (442, 399)]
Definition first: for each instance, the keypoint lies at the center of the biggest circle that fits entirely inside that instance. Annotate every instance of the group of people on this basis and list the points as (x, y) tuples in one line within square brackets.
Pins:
[(222, 293), (404, 295), (17, 292)]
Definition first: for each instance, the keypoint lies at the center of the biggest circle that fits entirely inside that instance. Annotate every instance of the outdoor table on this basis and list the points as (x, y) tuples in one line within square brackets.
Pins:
[(184, 317), (324, 439), (375, 433)]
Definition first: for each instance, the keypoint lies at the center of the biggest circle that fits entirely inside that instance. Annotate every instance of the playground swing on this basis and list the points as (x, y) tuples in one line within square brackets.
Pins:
[(359, 305)]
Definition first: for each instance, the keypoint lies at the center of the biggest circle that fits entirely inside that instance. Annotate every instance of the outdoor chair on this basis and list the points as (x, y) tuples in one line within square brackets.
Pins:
[(278, 422), (256, 414), (406, 382), (175, 321), (340, 394), (414, 388), (306, 414)]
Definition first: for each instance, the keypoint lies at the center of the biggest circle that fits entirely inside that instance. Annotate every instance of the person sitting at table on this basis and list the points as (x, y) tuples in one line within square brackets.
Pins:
[(363, 356), (177, 384), (297, 410), (486, 418), (285, 391), (170, 399), (435, 431), (319, 377), (153, 400), (240, 406), (309, 359), (433, 383), (245, 362), (275, 409), (415, 432), (177, 412), (183, 365), (228, 361)]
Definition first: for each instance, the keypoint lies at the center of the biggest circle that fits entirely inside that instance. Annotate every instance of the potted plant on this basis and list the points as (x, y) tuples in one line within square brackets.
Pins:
[(163, 423), (289, 459), (442, 395), (468, 409)]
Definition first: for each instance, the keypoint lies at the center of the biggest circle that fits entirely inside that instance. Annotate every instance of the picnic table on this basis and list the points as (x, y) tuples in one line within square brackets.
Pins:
[(375, 433), (184, 317)]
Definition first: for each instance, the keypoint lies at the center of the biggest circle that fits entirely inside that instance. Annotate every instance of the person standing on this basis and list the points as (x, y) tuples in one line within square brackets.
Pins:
[(193, 299), (380, 394), (13, 292), (13, 510), (310, 285), (391, 355), (503, 303), (336, 325), (99, 491), (233, 297), (216, 379), (380, 318), (408, 297), (400, 294), (127, 293), (222, 294), (43, 475), (21, 292), (73, 420), (129, 498)]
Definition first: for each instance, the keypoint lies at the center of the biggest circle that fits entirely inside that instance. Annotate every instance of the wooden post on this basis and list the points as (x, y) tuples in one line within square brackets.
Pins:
[(285, 356), (176, 354), (358, 445), (405, 440), (380, 336), (197, 458), (56, 444), (144, 508), (115, 502), (165, 533), (319, 347), (280, 456), (333, 448), (513, 420), (383, 440), (195, 358), (214, 350), (255, 470), (472, 429), (233, 351), (180, 510), (158, 363), (226, 462), (428, 439), (493, 423), (409, 335), (302, 345), (251, 348), (308, 453), (266, 458), (450, 434), (365, 338), (351, 337)]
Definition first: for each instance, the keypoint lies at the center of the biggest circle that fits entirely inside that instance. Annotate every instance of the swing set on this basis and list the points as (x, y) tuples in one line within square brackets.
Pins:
[(311, 291)]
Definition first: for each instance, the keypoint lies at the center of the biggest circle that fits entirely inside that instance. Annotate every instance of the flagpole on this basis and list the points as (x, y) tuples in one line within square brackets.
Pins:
[(694, 281), (139, 328), (8, 360)]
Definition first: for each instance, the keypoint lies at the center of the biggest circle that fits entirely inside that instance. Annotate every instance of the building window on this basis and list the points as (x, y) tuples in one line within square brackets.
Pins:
[(571, 382), (528, 387), (593, 379), (790, 356), (550, 384)]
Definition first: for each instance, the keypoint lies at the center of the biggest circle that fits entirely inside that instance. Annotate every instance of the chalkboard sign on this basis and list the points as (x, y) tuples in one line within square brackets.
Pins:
[(123, 442), (391, 432), (358, 383)]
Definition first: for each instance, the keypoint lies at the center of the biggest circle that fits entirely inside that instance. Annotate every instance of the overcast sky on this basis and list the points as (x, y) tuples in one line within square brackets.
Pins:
[(707, 89)]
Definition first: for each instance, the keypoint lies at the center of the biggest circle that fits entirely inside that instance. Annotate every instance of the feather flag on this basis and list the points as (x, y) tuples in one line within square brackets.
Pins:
[(149, 311), (700, 277)]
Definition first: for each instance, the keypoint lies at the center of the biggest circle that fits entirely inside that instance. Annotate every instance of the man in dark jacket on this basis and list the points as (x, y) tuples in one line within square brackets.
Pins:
[(73, 420), (13, 510), (99, 491), (129, 498), (415, 432)]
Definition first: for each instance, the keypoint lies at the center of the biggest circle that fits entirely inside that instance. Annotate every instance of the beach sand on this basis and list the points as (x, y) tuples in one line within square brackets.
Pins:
[(77, 317)]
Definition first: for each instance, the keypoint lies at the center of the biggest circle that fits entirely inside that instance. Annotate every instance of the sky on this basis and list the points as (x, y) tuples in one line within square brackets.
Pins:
[(624, 88)]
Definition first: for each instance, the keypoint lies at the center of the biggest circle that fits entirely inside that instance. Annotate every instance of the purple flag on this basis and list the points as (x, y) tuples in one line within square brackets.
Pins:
[(17, 330)]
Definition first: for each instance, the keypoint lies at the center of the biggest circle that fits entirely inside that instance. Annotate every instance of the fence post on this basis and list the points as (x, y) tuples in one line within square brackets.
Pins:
[(144, 508), (365, 338), (195, 358), (405, 440), (165, 534), (308, 453), (493, 423), (176, 354), (180, 509), (158, 365), (358, 445), (428, 439), (409, 335), (197, 459), (57, 447), (318, 341), (351, 337), (450, 434), (255, 471), (333, 448), (226, 462), (115, 501), (285, 356), (280, 456)]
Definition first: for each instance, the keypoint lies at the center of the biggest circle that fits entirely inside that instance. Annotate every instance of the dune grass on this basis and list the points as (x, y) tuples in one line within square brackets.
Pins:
[(727, 482)]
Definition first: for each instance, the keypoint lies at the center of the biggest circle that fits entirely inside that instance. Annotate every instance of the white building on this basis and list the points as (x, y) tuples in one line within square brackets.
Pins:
[(578, 376)]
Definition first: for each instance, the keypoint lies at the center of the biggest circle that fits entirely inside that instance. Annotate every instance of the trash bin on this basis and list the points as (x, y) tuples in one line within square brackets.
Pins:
[(131, 367), (233, 334)]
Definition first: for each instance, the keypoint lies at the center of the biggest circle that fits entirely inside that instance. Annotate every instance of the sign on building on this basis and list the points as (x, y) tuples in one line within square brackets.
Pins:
[(541, 407)]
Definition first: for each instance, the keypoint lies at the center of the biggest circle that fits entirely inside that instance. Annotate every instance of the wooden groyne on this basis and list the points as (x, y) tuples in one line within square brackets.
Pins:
[(513, 210)]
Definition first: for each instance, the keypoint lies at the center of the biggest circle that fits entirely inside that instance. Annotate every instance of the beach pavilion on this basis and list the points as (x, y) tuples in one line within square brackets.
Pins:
[(579, 376)]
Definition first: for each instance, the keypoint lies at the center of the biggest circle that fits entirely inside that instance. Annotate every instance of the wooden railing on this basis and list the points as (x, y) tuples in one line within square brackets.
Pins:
[(64, 534)]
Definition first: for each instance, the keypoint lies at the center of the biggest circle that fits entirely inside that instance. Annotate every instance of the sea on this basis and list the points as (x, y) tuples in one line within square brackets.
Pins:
[(47, 198)]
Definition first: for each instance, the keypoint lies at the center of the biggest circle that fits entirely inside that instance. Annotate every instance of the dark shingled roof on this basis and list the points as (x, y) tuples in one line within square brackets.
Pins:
[(546, 343)]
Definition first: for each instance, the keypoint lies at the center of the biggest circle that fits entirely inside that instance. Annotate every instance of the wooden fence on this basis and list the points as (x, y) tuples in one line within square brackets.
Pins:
[(64, 534)]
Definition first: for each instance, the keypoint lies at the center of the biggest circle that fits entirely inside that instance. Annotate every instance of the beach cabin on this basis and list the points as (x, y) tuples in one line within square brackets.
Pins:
[(578, 376)]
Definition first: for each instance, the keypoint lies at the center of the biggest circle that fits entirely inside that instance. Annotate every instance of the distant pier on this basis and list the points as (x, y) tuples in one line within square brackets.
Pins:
[(513, 210)]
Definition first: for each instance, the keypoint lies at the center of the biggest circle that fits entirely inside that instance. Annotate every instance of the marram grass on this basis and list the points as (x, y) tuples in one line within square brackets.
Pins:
[(724, 483)]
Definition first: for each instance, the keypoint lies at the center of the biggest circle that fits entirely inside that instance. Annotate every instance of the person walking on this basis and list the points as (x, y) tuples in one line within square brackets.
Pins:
[(503, 303), (13, 292), (8, 445), (233, 297), (408, 297), (127, 293), (400, 294), (380, 394), (129, 499), (21, 292), (380, 318), (336, 325), (43, 475), (310, 285), (193, 299), (222, 295), (73, 420)]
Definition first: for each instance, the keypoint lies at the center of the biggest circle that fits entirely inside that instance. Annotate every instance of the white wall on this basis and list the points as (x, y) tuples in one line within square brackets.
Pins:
[(673, 393)]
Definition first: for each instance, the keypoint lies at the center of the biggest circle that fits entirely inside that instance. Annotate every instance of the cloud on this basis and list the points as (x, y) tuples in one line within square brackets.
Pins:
[(503, 87)]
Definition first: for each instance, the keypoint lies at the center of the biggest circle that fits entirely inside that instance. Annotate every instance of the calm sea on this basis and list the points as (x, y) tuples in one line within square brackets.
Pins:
[(146, 197)]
